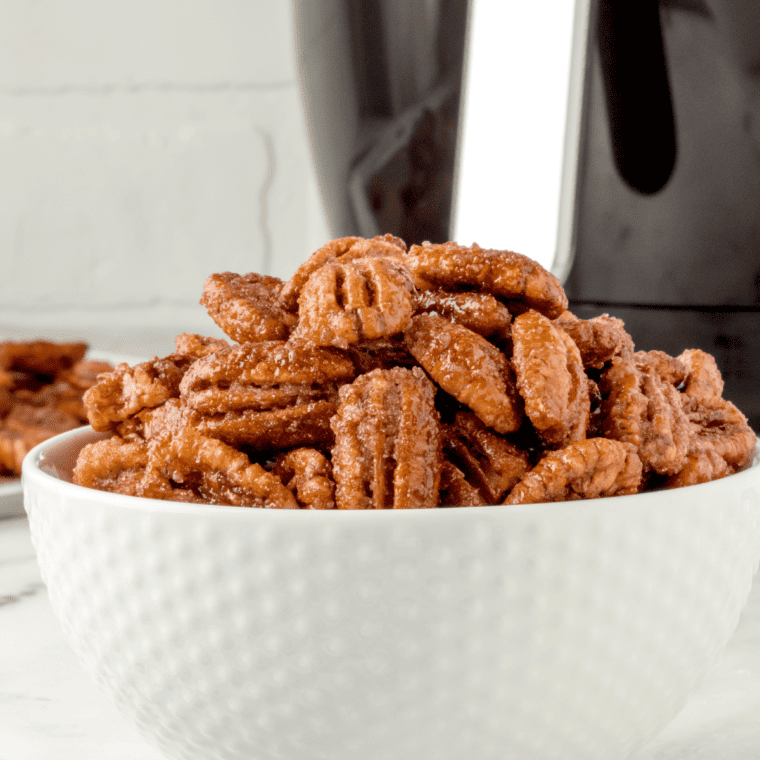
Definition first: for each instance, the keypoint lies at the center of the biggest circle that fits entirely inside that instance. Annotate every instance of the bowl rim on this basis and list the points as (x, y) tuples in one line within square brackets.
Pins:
[(35, 470)]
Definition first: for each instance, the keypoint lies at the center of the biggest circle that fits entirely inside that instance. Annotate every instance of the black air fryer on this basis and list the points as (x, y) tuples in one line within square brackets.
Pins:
[(667, 232)]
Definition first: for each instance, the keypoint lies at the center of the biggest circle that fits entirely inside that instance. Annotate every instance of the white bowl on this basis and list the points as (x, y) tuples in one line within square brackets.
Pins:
[(574, 630)]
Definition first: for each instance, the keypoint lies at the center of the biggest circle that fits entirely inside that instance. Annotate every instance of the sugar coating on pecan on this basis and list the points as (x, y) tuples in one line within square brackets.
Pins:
[(346, 303), (598, 339), (703, 380), (469, 368), (643, 409), (489, 462), (387, 451), (588, 469), (506, 274), (246, 306), (112, 464), (456, 490), (265, 375), (550, 379), (126, 391), (341, 249), (479, 312), (307, 472), (719, 426)]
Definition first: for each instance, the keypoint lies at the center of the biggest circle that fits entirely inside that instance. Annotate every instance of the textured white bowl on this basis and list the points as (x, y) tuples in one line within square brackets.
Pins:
[(572, 630)]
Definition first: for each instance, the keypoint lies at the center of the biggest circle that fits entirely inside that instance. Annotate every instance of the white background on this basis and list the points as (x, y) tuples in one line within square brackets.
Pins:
[(144, 145)]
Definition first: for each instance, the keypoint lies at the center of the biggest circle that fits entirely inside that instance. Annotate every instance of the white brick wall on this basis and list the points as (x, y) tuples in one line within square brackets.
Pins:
[(144, 145)]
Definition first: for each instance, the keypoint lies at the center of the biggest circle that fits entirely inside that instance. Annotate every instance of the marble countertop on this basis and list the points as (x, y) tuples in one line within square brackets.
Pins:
[(49, 707)]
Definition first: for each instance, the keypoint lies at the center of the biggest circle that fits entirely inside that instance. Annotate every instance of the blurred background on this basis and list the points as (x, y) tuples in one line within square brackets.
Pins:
[(146, 145)]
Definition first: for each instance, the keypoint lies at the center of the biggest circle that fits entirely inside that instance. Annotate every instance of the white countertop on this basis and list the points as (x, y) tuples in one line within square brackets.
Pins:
[(50, 708)]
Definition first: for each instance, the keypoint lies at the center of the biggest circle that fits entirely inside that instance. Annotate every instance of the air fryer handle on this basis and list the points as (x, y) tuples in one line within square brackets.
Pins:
[(638, 94)]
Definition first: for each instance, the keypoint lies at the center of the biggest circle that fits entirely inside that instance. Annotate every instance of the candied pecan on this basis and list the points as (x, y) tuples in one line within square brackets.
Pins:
[(490, 464), (703, 379), (643, 409), (126, 390), (197, 346), (188, 466), (170, 417), (587, 469), (341, 249), (308, 474), (469, 368), (266, 375), (598, 339), (456, 491), (387, 442), (24, 427), (719, 426), (550, 379), (84, 374), (479, 312), (345, 303), (36, 424), (505, 274), (41, 357), (305, 424), (13, 449), (112, 464), (60, 395), (246, 306), (669, 369), (701, 467)]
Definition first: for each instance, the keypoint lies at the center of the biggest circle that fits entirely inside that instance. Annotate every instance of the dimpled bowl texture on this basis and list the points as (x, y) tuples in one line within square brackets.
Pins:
[(571, 630)]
